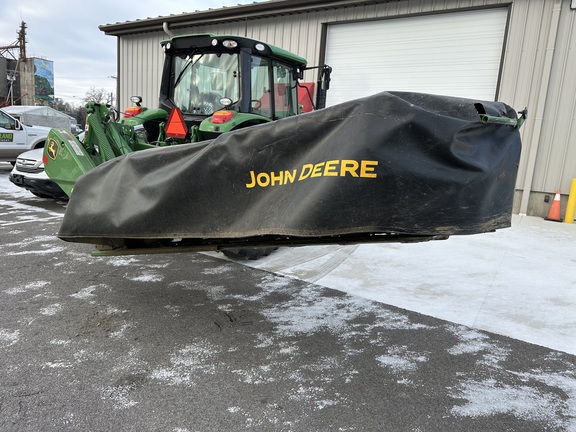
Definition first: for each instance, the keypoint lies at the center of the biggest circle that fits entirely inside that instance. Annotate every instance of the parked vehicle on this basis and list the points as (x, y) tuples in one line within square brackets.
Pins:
[(28, 173), (17, 137)]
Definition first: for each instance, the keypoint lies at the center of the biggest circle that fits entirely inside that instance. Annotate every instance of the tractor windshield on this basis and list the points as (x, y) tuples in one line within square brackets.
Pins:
[(201, 81)]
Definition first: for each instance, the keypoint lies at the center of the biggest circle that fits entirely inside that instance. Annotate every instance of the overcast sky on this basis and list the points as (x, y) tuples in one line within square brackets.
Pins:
[(66, 32)]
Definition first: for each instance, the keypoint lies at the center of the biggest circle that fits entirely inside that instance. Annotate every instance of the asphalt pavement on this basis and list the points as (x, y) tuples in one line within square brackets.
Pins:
[(194, 342)]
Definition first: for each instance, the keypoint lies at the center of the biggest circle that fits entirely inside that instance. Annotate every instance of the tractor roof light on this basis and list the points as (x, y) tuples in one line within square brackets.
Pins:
[(259, 47), (229, 43), (222, 116)]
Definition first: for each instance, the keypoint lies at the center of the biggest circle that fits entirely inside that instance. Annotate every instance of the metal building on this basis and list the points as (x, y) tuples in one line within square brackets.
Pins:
[(514, 51)]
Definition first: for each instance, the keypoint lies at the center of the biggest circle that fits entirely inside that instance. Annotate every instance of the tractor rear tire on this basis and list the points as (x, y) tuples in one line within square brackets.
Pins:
[(248, 253)]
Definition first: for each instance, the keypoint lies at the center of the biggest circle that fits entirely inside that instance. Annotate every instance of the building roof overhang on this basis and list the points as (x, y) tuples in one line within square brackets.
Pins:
[(226, 14)]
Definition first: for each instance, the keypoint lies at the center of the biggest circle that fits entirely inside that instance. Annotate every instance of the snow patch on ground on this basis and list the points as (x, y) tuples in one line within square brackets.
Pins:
[(174, 310), (305, 315), (307, 312), (51, 310), (262, 374), (59, 342), (147, 276), (489, 398), (187, 285), (15, 191), (475, 342), (24, 210), (121, 261), (119, 395), (9, 338), (119, 333), (32, 286), (400, 360), (188, 362), (50, 251), (58, 365), (218, 270), (538, 395)]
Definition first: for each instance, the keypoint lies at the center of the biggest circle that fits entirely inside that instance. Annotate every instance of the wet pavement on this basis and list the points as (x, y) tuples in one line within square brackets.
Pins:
[(194, 342), (517, 282)]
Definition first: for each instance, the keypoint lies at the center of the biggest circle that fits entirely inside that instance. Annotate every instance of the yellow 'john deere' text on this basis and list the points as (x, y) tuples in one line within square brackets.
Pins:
[(331, 168)]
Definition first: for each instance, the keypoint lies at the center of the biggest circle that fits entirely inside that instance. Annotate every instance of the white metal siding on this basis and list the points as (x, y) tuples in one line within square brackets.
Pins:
[(299, 32), (557, 150), (454, 54)]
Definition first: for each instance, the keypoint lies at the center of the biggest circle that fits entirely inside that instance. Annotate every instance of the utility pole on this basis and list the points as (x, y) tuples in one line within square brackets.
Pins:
[(19, 44), (22, 41)]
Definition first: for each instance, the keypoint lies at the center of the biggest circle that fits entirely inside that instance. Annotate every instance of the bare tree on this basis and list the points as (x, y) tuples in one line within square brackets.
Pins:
[(98, 96)]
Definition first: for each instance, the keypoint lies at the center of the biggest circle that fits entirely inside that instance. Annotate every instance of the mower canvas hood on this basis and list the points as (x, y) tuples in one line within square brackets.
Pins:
[(393, 165)]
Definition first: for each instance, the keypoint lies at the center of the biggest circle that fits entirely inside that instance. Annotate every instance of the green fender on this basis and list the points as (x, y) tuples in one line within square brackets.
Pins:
[(146, 115), (237, 121)]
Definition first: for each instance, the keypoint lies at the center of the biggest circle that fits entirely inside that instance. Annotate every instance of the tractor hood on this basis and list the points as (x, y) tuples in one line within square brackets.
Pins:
[(393, 166)]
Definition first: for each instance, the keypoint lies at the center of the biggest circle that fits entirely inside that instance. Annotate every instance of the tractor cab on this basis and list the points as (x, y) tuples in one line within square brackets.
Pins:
[(215, 84), (222, 83)]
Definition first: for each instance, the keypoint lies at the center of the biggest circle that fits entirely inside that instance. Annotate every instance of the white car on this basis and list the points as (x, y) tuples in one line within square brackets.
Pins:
[(28, 173)]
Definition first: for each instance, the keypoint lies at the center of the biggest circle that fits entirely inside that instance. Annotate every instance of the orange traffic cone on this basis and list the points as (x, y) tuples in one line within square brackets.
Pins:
[(554, 213)]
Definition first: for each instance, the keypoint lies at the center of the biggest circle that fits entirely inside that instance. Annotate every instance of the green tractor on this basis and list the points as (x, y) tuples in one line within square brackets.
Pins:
[(210, 85)]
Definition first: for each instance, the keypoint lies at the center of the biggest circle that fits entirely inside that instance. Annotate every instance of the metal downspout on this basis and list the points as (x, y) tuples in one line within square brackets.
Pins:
[(539, 117), (167, 29)]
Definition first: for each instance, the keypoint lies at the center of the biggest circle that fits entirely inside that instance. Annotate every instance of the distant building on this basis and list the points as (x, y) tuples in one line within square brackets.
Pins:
[(23, 80), (32, 83)]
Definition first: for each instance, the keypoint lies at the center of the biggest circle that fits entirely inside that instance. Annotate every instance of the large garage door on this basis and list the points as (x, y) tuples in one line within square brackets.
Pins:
[(455, 54)]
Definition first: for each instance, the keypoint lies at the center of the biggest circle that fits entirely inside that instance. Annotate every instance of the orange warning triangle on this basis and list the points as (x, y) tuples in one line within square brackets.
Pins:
[(175, 127)]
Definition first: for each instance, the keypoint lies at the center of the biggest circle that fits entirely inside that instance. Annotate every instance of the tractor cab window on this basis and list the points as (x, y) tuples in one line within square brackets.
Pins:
[(201, 81), (260, 89), (285, 91), (273, 89)]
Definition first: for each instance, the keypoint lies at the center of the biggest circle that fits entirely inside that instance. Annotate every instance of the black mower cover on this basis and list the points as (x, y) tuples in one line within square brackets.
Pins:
[(396, 165)]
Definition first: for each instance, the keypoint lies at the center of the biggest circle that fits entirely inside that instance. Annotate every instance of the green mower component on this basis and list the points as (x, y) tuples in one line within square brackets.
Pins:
[(66, 157)]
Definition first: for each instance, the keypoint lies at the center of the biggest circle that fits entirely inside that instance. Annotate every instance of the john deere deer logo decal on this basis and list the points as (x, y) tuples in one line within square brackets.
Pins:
[(52, 148)]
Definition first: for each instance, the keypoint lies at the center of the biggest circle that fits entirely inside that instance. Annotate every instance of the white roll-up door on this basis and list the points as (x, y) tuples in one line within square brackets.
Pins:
[(454, 54)]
